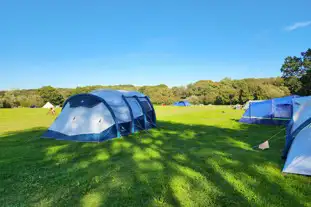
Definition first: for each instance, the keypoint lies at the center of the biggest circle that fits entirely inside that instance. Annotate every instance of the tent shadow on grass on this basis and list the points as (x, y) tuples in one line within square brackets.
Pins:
[(175, 165)]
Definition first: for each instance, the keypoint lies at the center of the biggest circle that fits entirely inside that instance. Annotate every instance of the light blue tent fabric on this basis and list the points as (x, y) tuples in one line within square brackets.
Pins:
[(277, 111), (298, 138), (102, 115), (182, 103)]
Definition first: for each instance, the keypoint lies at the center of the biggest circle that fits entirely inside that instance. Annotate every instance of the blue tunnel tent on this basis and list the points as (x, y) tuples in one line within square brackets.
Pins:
[(297, 149), (182, 103), (101, 115), (277, 111)]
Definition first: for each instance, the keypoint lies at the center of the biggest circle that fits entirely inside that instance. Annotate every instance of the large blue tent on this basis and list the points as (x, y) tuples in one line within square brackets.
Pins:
[(101, 115), (182, 103), (298, 138), (277, 111)]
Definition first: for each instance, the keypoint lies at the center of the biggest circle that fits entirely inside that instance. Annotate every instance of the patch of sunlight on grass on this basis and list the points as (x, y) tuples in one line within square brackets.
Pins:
[(62, 158), (53, 150), (237, 184), (151, 165), (146, 140), (152, 153), (223, 160), (197, 177), (193, 192), (160, 202), (126, 145), (93, 199), (233, 163), (187, 171), (102, 155), (156, 133), (139, 154), (155, 147), (158, 142), (181, 189), (246, 178), (207, 152), (81, 165), (238, 144), (46, 202), (272, 171), (115, 146), (180, 157), (188, 134)]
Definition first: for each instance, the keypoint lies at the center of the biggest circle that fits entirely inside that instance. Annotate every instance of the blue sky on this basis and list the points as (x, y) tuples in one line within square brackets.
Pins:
[(75, 43)]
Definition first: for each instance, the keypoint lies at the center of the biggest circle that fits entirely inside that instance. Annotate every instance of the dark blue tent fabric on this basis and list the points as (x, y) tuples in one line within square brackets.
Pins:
[(182, 103), (276, 111)]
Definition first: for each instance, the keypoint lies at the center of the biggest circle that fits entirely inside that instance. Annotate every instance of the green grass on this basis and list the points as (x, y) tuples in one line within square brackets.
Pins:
[(199, 156)]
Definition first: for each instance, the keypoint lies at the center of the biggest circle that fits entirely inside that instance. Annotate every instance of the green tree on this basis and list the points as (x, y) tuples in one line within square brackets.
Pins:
[(180, 92), (10, 100), (160, 94), (194, 99), (48, 93), (306, 84), (296, 72)]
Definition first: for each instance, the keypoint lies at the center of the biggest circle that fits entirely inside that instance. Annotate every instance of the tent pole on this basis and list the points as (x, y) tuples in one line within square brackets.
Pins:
[(250, 110), (272, 111)]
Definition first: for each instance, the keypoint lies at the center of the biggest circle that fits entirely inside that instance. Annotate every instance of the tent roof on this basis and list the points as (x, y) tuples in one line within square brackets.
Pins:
[(108, 93), (48, 105), (114, 97), (183, 101)]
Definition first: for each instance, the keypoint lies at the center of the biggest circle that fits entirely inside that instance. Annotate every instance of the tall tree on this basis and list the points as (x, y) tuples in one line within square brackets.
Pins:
[(10, 100), (296, 72), (48, 93)]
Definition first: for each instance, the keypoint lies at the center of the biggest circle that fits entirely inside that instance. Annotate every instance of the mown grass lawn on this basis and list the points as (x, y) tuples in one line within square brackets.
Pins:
[(199, 156)]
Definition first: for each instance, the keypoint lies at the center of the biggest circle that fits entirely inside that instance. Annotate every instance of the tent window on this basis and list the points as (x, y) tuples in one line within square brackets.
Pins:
[(283, 111), (84, 101), (146, 105)]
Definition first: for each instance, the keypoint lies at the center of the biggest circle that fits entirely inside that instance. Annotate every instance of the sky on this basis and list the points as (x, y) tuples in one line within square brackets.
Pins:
[(175, 42)]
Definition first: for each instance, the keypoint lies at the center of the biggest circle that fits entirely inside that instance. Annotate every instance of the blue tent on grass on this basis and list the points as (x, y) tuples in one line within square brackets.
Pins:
[(297, 150), (182, 103), (277, 111), (101, 115)]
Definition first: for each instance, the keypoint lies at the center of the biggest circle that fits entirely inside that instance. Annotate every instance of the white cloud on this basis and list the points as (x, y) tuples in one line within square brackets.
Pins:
[(298, 25)]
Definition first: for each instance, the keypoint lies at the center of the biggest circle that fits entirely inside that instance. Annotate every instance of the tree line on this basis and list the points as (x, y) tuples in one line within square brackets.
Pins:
[(226, 91), (296, 79)]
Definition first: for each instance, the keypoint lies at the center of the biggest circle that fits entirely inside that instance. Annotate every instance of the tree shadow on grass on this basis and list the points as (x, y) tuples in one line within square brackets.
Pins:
[(175, 165)]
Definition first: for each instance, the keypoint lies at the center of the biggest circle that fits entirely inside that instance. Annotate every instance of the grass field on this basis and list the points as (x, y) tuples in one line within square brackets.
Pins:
[(199, 156)]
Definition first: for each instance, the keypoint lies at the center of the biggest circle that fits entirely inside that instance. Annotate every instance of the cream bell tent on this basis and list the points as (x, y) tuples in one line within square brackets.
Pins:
[(101, 115), (48, 105)]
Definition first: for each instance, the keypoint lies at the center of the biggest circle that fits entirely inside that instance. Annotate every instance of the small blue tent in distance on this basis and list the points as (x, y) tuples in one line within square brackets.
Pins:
[(277, 111), (101, 115), (182, 103)]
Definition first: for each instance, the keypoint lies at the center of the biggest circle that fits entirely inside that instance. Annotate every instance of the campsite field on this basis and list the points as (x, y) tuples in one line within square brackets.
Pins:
[(199, 156)]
